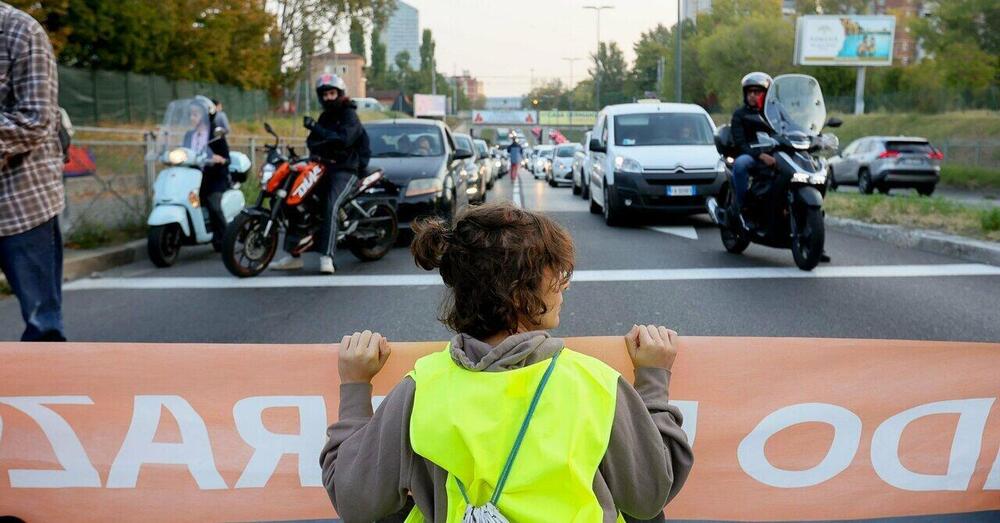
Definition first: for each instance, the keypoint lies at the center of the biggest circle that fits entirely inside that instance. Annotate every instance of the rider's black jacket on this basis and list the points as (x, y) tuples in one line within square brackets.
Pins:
[(747, 121), (339, 137)]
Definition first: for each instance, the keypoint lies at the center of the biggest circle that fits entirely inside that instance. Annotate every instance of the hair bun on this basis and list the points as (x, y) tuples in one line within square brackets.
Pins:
[(430, 242)]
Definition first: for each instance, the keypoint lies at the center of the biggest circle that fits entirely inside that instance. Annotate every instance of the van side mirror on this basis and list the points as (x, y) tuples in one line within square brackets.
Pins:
[(462, 154), (834, 122), (597, 147)]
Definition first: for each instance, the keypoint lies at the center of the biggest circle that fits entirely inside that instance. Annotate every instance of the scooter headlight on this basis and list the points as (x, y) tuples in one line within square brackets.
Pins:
[(177, 157)]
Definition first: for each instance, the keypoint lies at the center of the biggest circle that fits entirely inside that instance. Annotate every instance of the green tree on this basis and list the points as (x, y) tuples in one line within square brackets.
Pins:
[(427, 46), (611, 70), (377, 72), (357, 36)]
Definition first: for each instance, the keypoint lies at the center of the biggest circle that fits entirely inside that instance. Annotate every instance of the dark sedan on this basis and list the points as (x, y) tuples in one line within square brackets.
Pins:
[(420, 157)]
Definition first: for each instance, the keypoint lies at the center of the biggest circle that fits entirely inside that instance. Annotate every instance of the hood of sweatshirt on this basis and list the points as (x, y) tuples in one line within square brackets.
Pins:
[(519, 350)]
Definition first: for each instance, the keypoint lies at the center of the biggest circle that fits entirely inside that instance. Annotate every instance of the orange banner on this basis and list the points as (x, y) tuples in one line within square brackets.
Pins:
[(783, 429)]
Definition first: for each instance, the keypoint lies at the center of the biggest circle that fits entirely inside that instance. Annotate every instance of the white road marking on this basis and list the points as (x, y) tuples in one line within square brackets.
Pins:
[(684, 231), (516, 195), (422, 280)]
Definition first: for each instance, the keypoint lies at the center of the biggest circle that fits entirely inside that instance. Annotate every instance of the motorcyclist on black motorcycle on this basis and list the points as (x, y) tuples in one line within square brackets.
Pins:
[(338, 139)]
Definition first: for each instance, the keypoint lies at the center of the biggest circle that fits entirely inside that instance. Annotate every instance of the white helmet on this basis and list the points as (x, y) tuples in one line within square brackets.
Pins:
[(327, 81)]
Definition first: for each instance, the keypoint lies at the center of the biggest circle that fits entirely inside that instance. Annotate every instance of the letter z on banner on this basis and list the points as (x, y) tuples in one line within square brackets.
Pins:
[(783, 429)]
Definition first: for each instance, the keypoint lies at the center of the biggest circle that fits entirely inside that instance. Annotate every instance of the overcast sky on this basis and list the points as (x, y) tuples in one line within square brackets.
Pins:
[(500, 42)]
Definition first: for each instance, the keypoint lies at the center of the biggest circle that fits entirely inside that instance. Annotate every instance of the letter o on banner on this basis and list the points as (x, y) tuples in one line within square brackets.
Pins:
[(846, 438)]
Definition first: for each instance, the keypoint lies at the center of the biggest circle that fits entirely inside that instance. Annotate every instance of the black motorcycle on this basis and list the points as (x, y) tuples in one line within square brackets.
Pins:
[(290, 200), (783, 207)]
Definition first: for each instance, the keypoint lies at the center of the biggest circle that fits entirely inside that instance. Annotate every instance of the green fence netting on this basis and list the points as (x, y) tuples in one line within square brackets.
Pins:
[(91, 97)]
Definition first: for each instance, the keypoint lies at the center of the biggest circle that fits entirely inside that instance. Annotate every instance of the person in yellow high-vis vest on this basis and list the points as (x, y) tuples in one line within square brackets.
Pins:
[(505, 423)]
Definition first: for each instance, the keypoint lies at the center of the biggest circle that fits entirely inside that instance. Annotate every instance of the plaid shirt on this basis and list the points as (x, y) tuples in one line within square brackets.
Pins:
[(31, 186)]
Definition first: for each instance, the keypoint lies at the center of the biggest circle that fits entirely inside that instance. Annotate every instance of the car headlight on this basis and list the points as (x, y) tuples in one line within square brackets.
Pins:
[(627, 165), (177, 157), (422, 186), (266, 174)]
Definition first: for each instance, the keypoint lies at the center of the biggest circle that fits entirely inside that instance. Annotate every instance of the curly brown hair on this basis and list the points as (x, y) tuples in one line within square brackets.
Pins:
[(494, 261)]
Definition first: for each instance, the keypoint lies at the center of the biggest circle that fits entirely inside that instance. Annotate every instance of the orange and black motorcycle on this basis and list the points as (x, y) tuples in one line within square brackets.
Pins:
[(289, 201)]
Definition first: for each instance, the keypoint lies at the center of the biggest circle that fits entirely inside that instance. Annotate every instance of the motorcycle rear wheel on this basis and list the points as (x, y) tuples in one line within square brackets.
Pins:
[(386, 231), (807, 242), (246, 252)]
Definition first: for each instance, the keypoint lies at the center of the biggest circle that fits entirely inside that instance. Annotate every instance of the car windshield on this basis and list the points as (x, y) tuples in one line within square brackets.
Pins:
[(662, 129), (566, 151), (481, 147), (388, 141)]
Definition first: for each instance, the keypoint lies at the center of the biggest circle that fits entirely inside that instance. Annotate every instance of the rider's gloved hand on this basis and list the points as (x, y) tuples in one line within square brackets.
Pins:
[(308, 122)]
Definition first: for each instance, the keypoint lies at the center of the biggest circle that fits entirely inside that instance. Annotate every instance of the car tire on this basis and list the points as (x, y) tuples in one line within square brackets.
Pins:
[(832, 180), (865, 182), (576, 188), (594, 208), (926, 190), (585, 191), (613, 216), (883, 189)]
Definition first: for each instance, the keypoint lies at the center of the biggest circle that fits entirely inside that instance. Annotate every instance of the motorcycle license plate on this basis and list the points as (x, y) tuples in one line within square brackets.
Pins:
[(680, 190)]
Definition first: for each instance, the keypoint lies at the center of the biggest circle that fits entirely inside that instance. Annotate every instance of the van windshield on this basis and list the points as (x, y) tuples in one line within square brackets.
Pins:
[(662, 129)]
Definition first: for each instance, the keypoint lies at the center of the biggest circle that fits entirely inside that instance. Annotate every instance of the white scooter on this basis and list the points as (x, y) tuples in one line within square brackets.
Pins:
[(178, 216)]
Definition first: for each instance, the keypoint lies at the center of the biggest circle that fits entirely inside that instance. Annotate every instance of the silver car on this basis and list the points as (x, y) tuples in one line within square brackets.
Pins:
[(887, 162)]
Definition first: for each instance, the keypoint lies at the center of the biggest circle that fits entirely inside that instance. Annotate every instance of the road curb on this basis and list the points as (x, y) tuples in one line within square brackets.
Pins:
[(921, 239), (83, 264)]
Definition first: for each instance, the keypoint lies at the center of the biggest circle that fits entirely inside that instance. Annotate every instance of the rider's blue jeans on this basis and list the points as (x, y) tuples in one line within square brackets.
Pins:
[(741, 177)]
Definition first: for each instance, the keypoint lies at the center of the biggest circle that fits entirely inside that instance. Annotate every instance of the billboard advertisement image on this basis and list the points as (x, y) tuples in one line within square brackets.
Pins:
[(429, 105), (858, 41)]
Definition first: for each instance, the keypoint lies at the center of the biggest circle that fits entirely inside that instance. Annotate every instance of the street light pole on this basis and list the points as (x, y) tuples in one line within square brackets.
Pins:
[(677, 54), (571, 60), (597, 64)]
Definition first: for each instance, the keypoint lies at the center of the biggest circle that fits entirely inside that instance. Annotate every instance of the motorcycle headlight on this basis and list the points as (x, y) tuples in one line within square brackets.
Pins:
[(177, 157), (422, 186), (627, 165), (266, 174)]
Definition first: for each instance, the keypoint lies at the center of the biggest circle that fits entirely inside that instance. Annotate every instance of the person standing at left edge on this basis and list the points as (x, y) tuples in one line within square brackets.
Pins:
[(31, 187)]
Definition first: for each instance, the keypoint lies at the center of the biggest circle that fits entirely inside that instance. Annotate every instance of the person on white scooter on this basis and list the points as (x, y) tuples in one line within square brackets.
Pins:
[(341, 141), (215, 174)]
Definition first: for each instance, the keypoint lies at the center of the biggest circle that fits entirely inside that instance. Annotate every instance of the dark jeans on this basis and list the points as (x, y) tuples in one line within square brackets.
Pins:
[(32, 261), (741, 177), (338, 188), (213, 203)]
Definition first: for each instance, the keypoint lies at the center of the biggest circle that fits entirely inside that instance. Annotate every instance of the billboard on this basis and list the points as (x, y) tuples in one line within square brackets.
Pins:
[(504, 117), (783, 429), (587, 118), (859, 41), (429, 105)]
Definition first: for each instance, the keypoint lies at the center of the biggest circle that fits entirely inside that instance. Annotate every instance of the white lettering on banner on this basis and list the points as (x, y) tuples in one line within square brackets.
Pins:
[(689, 409), (269, 446), (846, 438), (993, 480), (195, 450), (77, 471), (964, 453)]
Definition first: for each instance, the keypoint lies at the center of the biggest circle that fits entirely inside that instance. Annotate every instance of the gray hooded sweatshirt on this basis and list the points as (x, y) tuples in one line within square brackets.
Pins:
[(369, 468)]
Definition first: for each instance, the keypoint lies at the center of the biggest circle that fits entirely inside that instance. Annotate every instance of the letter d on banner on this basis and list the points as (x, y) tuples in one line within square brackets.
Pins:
[(964, 446), (846, 438)]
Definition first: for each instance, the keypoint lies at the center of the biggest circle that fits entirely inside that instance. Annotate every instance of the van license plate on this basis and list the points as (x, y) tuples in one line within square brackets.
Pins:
[(680, 190)]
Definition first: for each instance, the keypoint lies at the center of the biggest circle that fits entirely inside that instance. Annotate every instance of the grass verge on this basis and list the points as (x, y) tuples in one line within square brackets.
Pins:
[(918, 212), (972, 178), (92, 236)]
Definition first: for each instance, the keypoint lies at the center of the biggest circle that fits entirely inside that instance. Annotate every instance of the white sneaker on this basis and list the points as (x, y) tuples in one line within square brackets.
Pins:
[(326, 265), (288, 263)]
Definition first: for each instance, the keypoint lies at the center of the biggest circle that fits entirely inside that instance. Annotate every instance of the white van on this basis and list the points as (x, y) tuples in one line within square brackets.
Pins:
[(653, 157)]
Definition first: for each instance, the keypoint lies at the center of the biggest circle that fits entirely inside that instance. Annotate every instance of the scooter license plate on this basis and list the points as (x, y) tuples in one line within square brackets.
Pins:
[(680, 190)]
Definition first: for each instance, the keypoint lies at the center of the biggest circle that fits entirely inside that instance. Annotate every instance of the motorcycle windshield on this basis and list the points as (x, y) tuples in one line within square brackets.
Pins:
[(795, 103), (186, 124)]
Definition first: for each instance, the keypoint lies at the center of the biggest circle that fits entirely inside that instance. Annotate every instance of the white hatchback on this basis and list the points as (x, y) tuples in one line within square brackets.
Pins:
[(653, 157)]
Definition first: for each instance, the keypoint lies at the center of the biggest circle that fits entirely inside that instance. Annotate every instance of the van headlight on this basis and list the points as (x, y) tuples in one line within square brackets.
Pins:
[(422, 186), (627, 165)]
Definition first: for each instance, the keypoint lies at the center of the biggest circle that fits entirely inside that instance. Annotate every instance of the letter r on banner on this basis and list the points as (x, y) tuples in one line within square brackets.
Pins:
[(195, 450), (77, 471), (269, 447)]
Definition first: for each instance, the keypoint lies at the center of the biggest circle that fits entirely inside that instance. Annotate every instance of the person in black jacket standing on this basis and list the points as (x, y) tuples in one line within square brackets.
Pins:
[(747, 122), (341, 141)]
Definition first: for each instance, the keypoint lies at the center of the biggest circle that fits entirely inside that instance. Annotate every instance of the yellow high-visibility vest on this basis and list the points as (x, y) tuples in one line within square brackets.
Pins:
[(466, 423)]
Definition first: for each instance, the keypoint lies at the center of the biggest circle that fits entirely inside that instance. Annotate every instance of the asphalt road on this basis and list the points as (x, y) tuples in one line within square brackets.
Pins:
[(672, 272)]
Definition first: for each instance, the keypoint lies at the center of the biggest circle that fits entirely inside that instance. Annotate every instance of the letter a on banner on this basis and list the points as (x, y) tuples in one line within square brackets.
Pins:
[(195, 450), (269, 447), (846, 438), (964, 453), (77, 471)]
